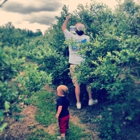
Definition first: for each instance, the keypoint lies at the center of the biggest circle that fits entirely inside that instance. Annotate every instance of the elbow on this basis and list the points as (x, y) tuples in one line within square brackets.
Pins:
[(63, 28)]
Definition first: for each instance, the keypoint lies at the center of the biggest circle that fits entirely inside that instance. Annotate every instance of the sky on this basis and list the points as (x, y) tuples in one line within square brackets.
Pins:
[(38, 14)]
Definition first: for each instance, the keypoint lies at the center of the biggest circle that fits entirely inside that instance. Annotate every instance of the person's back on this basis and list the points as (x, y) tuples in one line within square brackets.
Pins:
[(63, 101), (74, 56), (74, 43), (74, 40)]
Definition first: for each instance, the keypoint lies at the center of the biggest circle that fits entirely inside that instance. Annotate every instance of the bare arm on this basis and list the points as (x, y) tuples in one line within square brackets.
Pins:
[(64, 25), (58, 111)]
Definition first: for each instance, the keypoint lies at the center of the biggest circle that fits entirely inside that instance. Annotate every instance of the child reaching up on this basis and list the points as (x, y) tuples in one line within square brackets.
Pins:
[(62, 112)]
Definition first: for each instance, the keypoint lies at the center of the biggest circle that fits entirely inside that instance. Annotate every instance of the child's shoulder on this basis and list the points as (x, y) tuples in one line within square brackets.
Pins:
[(60, 98)]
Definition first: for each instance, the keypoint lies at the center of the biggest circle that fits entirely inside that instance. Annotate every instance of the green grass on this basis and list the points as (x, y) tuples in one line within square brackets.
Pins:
[(46, 107), (77, 133), (45, 115), (40, 135)]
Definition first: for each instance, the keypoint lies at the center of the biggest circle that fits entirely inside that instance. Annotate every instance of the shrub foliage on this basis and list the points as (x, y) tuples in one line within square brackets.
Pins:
[(29, 60)]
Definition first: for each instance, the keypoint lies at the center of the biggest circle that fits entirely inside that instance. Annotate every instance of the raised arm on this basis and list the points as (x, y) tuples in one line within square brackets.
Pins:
[(64, 25)]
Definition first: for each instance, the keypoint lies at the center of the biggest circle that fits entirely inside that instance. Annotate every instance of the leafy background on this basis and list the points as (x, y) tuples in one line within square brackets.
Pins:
[(29, 60)]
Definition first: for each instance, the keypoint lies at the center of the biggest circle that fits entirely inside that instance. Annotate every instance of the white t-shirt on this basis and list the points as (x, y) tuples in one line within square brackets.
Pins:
[(74, 40)]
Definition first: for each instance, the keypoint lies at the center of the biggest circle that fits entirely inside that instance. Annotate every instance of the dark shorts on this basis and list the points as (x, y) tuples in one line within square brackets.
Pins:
[(63, 124)]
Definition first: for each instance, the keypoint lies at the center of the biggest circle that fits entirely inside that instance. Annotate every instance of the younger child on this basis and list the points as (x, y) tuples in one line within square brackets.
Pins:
[(62, 112)]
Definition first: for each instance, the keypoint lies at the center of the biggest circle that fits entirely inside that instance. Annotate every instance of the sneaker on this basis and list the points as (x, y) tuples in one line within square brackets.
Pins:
[(92, 102), (78, 104), (60, 138)]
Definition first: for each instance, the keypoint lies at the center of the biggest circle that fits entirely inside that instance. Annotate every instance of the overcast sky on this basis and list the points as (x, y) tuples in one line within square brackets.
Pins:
[(38, 14)]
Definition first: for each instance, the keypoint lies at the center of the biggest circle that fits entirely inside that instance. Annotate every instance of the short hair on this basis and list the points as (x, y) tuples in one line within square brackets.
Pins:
[(79, 32), (80, 28), (63, 89)]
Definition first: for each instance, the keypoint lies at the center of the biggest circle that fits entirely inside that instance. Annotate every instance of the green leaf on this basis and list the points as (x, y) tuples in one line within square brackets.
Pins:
[(3, 126), (1, 115), (7, 106)]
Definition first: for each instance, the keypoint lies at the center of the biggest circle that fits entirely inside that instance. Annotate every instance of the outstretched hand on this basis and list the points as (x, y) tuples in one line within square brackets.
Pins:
[(64, 25), (67, 17)]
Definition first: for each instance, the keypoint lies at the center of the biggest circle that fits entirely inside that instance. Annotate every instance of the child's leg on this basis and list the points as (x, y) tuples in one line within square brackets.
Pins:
[(63, 125)]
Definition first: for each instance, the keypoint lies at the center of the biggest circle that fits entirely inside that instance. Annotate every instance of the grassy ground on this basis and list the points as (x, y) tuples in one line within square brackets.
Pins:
[(45, 116), (37, 121)]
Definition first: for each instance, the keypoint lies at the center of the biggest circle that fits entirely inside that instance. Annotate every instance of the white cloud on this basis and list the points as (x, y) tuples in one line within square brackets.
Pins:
[(27, 8), (33, 26), (9, 17), (37, 19)]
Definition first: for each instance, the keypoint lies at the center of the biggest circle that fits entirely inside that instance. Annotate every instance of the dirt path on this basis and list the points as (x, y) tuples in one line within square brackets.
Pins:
[(89, 128), (19, 130)]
